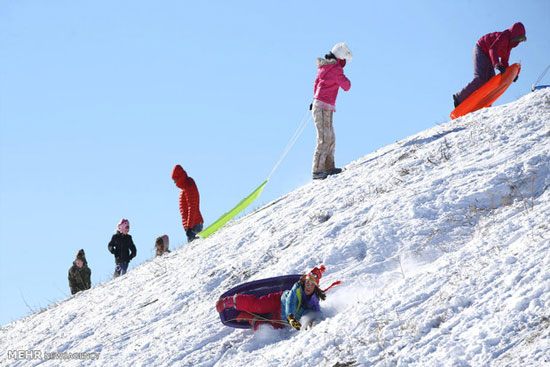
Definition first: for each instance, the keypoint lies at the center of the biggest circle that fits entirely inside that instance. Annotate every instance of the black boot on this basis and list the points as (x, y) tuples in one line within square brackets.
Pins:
[(320, 175), (334, 171), (456, 101)]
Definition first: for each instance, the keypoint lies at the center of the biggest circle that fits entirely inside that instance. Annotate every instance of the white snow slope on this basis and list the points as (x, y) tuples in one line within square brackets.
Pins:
[(441, 241)]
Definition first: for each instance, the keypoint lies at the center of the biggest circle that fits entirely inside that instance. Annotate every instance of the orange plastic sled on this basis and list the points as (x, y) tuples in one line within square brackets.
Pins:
[(488, 93)]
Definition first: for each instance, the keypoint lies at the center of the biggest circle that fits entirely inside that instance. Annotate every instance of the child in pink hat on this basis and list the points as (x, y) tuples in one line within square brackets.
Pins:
[(122, 247)]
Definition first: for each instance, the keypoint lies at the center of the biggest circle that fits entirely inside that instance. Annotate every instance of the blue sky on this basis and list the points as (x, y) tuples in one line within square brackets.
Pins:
[(100, 99)]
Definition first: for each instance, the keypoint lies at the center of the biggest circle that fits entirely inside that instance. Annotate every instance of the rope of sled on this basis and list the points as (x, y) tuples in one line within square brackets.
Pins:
[(292, 141), (542, 75), (261, 318)]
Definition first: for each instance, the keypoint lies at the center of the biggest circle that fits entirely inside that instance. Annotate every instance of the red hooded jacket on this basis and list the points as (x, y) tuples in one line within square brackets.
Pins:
[(499, 44), (189, 198)]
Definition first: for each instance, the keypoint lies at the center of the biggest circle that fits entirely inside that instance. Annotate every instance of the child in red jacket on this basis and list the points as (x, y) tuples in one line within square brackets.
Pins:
[(330, 79), (191, 217), (491, 51)]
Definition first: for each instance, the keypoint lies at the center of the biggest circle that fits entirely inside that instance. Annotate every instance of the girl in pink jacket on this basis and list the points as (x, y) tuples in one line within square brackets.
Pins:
[(330, 79)]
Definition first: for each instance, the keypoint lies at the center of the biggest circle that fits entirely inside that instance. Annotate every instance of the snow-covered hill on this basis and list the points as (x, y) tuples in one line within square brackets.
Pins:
[(441, 241)]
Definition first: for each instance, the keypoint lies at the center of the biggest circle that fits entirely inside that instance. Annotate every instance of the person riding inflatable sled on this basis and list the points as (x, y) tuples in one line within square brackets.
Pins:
[(278, 309)]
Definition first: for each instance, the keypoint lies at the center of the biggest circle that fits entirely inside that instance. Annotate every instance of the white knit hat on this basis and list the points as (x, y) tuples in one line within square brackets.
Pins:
[(341, 51)]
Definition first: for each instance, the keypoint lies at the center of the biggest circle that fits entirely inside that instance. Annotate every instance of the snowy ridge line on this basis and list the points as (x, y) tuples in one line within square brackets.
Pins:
[(459, 206)]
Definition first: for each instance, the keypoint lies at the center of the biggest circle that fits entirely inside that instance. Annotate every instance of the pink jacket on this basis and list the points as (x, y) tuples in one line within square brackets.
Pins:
[(329, 79), (499, 44)]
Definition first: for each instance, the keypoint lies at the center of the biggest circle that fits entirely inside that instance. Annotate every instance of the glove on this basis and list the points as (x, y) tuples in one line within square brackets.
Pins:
[(500, 68), (516, 78), (224, 303), (293, 322)]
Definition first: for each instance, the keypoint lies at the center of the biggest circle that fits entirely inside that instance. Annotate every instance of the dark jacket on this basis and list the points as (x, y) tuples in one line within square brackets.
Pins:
[(79, 278), (122, 247)]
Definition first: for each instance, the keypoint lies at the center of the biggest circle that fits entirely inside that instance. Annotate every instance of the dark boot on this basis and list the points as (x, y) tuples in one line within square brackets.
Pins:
[(456, 101), (320, 175), (334, 171)]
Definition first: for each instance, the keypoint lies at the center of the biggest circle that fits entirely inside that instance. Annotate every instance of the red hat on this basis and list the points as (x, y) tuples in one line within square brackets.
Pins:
[(316, 273)]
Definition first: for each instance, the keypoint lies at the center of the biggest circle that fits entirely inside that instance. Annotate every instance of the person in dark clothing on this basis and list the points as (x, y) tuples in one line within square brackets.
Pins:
[(491, 51), (122, 246), (80, 273)]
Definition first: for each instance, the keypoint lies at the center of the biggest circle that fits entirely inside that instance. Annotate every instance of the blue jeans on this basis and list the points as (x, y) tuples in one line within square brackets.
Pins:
[(120, 269)]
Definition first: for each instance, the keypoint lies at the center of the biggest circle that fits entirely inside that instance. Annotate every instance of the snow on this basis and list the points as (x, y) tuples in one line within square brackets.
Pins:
[(441, 242)]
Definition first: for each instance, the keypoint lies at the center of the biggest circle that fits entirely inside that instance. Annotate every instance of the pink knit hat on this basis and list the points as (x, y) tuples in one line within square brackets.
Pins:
[(122, 224)]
